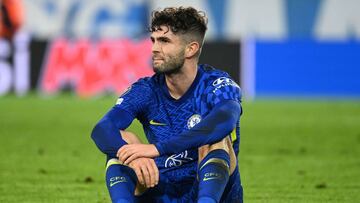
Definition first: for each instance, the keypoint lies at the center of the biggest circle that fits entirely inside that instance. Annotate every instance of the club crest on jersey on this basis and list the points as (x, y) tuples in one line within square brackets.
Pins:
[(223, 82), (177, 159), (193, 120)]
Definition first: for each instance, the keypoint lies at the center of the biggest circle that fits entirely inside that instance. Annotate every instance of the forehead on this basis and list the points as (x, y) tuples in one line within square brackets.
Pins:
[(163, 31)]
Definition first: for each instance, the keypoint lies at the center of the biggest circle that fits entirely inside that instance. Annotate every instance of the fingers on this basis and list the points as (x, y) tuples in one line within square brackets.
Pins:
[(146, 174), (139, 175), (155, 171), (141, 172), (131, 158), (125, 152), (146, 171), (122, 153), (130, 152), (150, 175)]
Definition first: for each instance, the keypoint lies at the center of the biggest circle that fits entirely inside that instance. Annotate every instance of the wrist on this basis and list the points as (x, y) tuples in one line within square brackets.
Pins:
[(156, 151), (159, 148)]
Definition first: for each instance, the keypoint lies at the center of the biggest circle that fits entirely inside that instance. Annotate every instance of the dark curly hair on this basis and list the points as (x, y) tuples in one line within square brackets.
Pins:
[(181, 20)]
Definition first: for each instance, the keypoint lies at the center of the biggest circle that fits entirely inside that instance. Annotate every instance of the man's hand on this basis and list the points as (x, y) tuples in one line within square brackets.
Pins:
[(146, 171), (130, 152)]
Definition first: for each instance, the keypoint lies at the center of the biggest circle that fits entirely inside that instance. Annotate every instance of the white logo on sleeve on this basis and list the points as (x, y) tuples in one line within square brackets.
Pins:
[(119, 101), (223, 82)]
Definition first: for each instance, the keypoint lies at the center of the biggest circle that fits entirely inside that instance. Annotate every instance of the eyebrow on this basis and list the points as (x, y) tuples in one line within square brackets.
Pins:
[(160, 38)]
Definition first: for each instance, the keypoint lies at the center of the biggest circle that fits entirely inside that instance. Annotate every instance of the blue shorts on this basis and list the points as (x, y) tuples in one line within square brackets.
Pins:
[(186, 192)]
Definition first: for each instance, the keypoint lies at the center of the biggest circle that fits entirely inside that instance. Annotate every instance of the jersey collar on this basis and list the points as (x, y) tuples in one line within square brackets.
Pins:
[(188, 93)]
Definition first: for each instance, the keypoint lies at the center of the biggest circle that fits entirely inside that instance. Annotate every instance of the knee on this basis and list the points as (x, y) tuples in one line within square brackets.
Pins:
[(226, 145), (203, 151), (112, 161)]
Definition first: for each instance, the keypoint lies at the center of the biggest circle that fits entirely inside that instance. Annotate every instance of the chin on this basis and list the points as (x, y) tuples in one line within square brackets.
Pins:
[(157, 69)]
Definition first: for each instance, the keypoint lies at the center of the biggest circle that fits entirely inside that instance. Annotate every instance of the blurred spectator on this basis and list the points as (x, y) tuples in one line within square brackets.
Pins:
[(11, 18)]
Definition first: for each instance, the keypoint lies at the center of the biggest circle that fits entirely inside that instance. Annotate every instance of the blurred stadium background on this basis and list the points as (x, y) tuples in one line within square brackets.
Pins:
[(63, 63)]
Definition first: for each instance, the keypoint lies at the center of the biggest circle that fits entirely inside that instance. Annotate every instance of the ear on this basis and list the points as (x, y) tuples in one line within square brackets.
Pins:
[(192, 49)]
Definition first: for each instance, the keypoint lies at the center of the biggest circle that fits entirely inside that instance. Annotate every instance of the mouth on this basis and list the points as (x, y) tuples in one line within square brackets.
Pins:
[(158, 60)]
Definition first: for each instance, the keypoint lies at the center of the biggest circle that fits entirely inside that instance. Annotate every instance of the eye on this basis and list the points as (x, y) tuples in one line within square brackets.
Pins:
[(164, 40)]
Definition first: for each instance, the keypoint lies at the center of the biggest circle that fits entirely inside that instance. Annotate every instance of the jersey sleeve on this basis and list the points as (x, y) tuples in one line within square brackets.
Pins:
[(135, 99), (106, 133), (220, 89)]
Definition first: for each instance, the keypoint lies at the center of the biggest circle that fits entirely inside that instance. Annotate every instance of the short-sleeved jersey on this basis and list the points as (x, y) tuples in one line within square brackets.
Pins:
[(164, 117)]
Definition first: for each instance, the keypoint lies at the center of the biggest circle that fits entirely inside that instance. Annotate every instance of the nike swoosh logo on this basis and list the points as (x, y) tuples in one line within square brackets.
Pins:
[(152, 122), (114, 183), (211, 178)]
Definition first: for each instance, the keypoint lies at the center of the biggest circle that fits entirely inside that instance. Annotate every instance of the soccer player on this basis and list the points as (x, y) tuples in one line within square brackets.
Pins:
[(190, 114)]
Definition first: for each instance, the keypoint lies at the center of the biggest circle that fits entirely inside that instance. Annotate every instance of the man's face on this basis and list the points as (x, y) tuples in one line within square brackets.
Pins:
[(167, 51)]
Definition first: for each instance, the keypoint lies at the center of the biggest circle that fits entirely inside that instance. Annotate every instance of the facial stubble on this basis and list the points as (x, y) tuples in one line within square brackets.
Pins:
[(171, 65)]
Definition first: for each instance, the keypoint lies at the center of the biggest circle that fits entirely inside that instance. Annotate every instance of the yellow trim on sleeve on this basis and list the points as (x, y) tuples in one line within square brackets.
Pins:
[(233, 135)]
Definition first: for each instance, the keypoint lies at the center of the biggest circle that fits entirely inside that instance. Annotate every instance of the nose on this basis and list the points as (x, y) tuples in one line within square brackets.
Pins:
[(155, 47)]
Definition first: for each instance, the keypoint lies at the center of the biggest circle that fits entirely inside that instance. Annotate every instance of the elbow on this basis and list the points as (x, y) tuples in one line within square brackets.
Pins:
[(98, 131), (99, 136), (229, 127), (105, 138), (94, 136), (233, 119), (231, 116)]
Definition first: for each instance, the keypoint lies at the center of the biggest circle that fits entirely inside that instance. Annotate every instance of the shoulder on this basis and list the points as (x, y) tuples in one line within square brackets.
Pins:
[(142, 87), (137, 97), (211, 70), (214, 77), (218, 85), (150, 82), (145, 83)]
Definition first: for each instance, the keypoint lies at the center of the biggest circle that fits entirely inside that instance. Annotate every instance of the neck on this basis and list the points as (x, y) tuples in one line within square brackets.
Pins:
[(178, 83)]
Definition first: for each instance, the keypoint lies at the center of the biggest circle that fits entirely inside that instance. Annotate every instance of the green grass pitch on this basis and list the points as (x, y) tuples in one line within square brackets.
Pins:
[(291, 151)]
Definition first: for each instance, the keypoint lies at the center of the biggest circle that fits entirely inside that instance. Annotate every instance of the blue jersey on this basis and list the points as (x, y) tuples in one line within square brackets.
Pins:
[(164, 117)]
